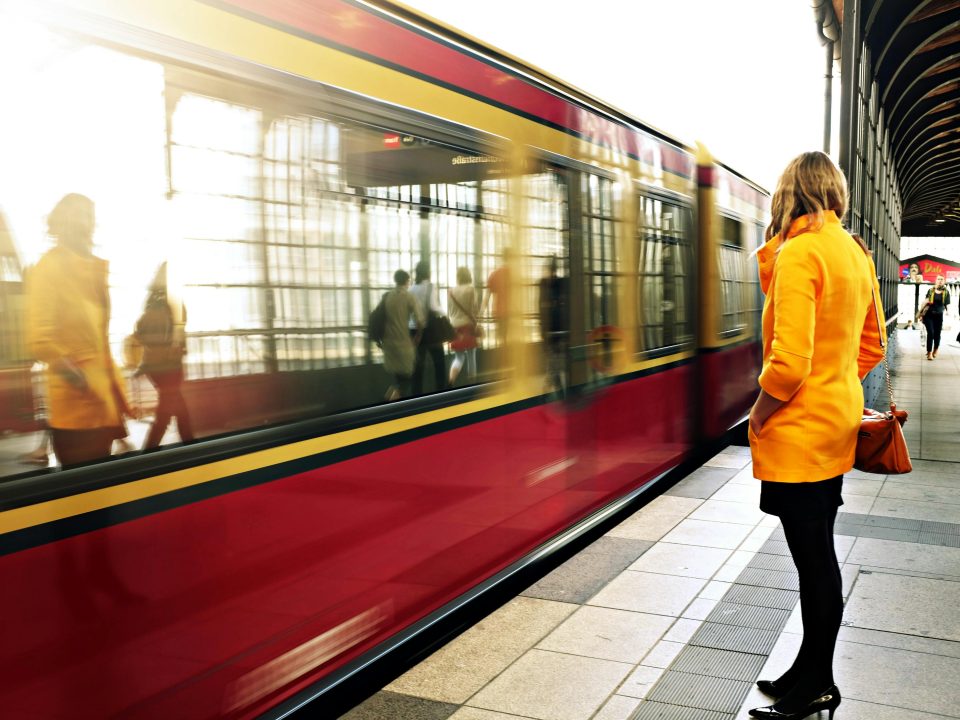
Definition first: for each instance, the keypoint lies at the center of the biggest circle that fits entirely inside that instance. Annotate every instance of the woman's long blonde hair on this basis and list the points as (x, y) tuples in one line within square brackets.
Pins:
[(811, 184)]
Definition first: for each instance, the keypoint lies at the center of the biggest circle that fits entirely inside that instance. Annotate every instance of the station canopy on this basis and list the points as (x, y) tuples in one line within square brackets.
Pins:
[(914, 47)]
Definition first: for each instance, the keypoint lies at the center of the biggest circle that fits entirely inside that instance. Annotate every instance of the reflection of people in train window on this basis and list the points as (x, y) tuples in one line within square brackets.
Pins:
[(554, 324), (160, 330), (68, 313), (497, 296), (399, 346), (463, 307), (426, 294)]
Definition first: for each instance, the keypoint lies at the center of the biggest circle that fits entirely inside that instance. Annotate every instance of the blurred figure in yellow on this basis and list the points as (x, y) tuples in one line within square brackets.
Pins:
[(161, 331), (68, 311), (497, 296)]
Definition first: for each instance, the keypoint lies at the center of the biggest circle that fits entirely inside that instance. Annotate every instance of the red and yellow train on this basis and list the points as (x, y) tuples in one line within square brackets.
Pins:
[(285, 158)]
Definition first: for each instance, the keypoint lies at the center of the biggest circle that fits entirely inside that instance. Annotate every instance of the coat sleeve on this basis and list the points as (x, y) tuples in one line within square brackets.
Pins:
[(42, 313), (797, 282), (873, 338)]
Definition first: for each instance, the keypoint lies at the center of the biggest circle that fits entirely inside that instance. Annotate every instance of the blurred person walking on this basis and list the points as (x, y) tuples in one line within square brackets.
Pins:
[(68, 313), (399, 341), (431, 341), (161, 331), (821, 336), (934, 308), (464, 306)]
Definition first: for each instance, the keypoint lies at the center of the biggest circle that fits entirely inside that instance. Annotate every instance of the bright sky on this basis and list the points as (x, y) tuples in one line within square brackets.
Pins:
[(745, 77)]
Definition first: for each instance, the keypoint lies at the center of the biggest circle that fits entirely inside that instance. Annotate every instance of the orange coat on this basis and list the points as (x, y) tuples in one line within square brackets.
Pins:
[(68, 308), (820, 339)]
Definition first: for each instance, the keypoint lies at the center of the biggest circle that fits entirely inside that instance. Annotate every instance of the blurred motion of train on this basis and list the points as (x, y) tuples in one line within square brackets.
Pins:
[(285, 157)]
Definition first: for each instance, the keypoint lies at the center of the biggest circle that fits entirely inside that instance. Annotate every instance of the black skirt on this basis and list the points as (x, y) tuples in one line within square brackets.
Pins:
[(802, 499)]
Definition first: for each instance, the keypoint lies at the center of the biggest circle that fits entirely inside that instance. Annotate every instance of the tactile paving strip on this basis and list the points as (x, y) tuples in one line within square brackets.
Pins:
[(775, 547), (769, 579), (926, 532), (732, 637), (704, 693), (780, 563), (660, 711), (718, 663), (751, 616), (762, 597)]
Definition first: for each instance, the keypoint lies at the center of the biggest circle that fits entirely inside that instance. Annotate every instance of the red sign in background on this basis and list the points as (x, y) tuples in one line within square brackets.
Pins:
[(928, 267)]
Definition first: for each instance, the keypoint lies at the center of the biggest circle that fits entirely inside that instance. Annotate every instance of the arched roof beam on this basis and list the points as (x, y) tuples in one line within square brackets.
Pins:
[(923, 81), (901, 126), (930, 30), (898, 44), (931, 187), (941, 173), (929, 167), (926, 153), (939, 120)]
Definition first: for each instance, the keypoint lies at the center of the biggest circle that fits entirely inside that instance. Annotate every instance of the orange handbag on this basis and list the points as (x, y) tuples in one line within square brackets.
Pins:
[(881, 447)]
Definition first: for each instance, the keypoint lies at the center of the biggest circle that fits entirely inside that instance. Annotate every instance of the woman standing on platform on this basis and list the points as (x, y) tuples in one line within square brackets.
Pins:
[(821, 336), (935, 307)]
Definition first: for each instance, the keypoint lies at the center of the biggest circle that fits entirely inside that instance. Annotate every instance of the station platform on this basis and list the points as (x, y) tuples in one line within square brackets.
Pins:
[(677, 611)]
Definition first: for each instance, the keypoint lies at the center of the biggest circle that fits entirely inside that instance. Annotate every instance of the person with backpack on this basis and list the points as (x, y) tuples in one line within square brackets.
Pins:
[(464, 305), (400, 310)]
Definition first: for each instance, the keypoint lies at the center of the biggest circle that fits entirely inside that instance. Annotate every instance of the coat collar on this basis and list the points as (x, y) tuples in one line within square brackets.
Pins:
[(767, 254)]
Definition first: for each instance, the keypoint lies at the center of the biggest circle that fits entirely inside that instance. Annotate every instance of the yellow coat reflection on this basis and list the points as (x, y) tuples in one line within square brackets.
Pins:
[(68, 310)]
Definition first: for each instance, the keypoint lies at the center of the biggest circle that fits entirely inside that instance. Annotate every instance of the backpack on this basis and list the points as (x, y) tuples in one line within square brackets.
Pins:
[(377, 322)]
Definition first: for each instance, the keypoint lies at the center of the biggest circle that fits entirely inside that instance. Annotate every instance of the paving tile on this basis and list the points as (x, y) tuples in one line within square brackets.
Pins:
[(724, 460), (916, 510), (736, 639), (898, 678), (780, 563), (639, 682), (400, 707), (685, 560), (583, 575), (701, 483), (859, 710), (608, 634), (469, 713), (619, 707), (769, 578), (552, 686), (663, 654), (656, 519), (762, 597), (731, 512), (732, 492), (715, 590), (683, 629), (728, 573), (924, 493), (700, 608), (649, 593), (905, 556), (858, 486), (464, 665), (858, 503), (848, 575), (745, 477), (908, 605), (708, 534), (898, 641), (944, 539)]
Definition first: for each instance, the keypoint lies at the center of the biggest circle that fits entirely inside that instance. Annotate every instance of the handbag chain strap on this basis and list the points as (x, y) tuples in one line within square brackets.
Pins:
[(883, 346)]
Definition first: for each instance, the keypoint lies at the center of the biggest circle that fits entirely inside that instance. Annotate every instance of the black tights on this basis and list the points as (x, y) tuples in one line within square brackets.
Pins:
[(821, 607), (934, 323)]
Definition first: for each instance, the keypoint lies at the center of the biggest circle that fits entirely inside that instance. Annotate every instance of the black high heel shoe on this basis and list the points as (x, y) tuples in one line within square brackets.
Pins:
[(828, 700), (774, 688)]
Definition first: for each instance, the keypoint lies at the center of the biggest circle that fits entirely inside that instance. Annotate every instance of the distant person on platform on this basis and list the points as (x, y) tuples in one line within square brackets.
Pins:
[(68, 312), (161, 331), (497, 296), (399, 341), (934, 308)]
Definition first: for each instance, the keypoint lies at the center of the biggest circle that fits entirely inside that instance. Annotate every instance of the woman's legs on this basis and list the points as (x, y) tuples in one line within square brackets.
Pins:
[(821, 607), (439, 368), (928, 324), (934, 330)]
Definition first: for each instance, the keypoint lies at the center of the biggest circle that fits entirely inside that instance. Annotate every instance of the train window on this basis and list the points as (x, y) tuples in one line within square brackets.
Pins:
[(664, 268), (265, 230), (736, 295), (600, 264)]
